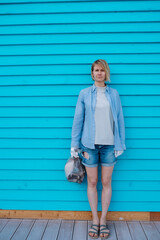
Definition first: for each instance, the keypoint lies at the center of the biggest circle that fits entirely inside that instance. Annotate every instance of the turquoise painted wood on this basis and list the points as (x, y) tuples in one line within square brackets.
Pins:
[(46, 52)]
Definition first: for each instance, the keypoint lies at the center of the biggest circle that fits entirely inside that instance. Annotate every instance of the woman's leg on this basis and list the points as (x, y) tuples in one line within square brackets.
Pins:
[(106, 177), (92, 178)]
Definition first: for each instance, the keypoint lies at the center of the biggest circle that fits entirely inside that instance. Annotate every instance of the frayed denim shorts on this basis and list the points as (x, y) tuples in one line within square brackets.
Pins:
[(103, 154)]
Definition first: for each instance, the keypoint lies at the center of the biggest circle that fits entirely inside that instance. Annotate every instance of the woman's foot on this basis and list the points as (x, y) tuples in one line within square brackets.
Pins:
[(94, 230), (104, 231)]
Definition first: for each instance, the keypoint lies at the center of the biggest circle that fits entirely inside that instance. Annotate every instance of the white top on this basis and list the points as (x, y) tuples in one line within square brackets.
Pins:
[(103, 119)]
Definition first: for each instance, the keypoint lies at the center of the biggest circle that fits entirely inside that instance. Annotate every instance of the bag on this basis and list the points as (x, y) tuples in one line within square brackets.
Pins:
[(74, 170)]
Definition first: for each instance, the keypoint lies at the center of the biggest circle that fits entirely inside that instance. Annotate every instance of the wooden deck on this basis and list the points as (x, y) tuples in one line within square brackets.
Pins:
[(30, 229)]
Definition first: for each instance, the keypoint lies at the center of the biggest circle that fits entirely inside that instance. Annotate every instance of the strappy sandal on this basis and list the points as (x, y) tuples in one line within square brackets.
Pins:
[(104, 230), (94, 230)]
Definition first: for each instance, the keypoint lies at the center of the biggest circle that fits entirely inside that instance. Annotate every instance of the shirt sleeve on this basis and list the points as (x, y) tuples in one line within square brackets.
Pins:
[(121, 123), (78, 121)]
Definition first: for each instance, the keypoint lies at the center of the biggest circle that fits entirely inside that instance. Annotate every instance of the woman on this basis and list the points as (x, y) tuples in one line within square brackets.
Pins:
[(98, 129)]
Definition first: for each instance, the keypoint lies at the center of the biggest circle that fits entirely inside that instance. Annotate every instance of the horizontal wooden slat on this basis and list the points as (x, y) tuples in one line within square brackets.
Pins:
[(65, 185), (73, 206), (42, 1), (70, 101), (98, 17), (86, 80), (99, 48), (69, 111), (80, 59), (79, 7), (138, 133), (60, 175), (73, 90), (38, 195), (46, 122), (56, 1), (66, 122), (54, 143), (57, 154), (80, 215), (80, 38), (81, 28), (31, 164), (76, 69)]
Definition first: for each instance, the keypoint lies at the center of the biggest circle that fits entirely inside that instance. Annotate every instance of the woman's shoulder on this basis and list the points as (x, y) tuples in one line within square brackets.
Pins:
[(113, 90)]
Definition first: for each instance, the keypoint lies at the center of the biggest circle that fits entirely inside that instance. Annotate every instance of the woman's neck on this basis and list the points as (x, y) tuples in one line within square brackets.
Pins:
[(100, 84)]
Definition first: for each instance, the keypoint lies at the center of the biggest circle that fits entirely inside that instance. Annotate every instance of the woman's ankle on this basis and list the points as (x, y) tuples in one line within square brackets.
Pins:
[(103, 220), (96, 220)]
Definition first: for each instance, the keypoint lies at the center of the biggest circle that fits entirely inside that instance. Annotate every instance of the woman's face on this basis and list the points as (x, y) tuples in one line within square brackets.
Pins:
[(99, 73)]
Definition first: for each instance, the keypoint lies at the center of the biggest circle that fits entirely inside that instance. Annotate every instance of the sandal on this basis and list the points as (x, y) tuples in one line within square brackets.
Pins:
[(104, 230), (94, 230)]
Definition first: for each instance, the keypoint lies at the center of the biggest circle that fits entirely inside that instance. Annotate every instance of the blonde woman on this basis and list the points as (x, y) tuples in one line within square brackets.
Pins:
[(98, 129)]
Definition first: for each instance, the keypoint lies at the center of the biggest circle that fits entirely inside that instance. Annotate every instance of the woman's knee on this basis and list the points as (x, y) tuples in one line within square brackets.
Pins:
[(106, 182), (92, 182), (92, 176)]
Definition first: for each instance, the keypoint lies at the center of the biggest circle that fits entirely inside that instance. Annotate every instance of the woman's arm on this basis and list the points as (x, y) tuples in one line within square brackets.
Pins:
[(78, 121)]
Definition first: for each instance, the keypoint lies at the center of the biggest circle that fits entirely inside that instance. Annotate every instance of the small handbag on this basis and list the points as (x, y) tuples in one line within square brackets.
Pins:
[(74, 170)]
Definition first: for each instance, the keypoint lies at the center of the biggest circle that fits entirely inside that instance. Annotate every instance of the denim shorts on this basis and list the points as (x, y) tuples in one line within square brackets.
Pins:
[(103, 154)]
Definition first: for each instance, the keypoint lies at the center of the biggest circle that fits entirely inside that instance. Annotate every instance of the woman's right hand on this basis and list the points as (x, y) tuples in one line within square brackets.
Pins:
[(74, 152)]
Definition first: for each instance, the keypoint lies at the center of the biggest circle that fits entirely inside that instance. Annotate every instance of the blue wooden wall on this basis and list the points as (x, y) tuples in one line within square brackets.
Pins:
[(46, 52)]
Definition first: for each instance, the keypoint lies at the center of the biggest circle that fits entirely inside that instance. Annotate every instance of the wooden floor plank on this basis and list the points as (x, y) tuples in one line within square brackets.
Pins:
[(111, 227), (150, 230), (18, 229), (136, 231), (9, 229), (157, 224), (52, 229), (23, 229), (66, 230), (37, 230), (122, 230), (3, 222), (80, 230)]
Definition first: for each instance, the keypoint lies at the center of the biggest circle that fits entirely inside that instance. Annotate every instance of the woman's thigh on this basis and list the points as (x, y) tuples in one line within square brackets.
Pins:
[(106, 174), (92, 174)]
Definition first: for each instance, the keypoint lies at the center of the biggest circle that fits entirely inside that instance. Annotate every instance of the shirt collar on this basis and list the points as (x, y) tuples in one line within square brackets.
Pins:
[(94, 87)]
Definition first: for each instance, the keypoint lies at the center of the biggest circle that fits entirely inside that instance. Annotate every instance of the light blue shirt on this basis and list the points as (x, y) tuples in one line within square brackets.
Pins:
[(83, 129)]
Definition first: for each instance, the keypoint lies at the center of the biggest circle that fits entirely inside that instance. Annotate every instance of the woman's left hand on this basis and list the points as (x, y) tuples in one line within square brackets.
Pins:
[(118, 153)]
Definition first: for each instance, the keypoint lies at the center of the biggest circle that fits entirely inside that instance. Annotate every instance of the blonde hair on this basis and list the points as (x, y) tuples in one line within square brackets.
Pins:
[(104, 65)]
